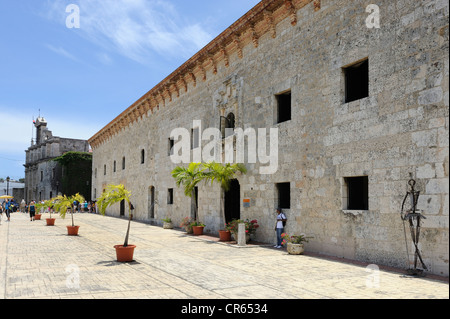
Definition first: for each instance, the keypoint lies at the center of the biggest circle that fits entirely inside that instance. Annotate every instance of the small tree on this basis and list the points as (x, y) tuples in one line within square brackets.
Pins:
[(115, 194), (189, 177), (63, 203), (223, 174), (45, 205)]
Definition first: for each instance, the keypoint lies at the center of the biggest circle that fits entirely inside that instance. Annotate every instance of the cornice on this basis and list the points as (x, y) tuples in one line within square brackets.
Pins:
[(261, 19)]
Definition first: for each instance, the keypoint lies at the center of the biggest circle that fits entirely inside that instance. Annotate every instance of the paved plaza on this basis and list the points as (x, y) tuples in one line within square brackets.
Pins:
[(42, 262)]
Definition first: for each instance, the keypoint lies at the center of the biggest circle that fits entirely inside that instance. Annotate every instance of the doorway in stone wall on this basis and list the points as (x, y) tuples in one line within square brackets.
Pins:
[(233, 201)]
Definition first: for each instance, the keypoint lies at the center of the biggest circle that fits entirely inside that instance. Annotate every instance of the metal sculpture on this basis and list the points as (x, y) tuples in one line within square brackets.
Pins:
[(413, 216)]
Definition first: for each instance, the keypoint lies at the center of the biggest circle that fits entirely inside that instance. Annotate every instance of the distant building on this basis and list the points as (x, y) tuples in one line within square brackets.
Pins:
[(43, 176), (13, 188)]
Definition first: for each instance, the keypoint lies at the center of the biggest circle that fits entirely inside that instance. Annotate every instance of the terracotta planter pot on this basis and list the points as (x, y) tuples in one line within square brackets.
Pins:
[(124, 254), (50, 221), (225, 235), (72, 230), (37, 217), (198, 230), (295, 249)]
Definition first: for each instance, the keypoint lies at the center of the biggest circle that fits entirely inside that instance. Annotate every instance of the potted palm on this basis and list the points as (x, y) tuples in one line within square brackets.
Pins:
[(189, 177), (46, 205), (115, 194), (295, 243), (197, 228), (223, 174), (62, 204)]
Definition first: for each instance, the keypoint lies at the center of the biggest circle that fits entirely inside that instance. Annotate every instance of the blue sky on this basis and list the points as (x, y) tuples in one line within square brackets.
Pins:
[(82, 78)]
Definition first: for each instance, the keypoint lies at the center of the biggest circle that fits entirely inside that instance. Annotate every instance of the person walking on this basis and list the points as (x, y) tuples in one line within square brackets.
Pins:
[(32, 210), (1, 213), (279, 227), (8, 209), (22, 206)]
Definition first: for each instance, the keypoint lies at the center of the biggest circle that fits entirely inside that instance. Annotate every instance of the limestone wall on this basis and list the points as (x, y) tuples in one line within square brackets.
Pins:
[(399, 130)]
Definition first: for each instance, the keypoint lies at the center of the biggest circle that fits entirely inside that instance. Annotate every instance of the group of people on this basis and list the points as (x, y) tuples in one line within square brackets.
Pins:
[(91, 207), (7, 207)]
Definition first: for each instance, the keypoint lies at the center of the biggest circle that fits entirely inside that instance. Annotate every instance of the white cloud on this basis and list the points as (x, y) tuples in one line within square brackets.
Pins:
[(136, 29), (17, 130), (62, 52)]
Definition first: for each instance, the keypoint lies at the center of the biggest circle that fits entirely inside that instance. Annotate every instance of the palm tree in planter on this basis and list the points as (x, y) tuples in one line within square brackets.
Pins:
[(189, 177), (46, 205), (223, 174), (62, 204), (115, 194)]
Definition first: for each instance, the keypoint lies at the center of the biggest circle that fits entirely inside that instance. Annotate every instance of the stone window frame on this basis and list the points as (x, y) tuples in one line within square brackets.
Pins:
[(278, 106), (142, 156), (123, 163), (195, 137), (345, 196), (278, 202), (344, 87), (170, 196), (171, 144)]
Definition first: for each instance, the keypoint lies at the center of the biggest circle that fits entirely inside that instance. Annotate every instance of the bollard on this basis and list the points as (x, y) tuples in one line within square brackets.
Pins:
[(241, 235)]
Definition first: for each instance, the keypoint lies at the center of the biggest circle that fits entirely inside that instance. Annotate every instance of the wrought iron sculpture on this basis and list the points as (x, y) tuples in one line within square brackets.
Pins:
[(413, 216)]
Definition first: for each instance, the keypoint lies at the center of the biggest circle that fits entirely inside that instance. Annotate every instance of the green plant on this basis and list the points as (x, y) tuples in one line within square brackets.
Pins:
[(167, 220), (115, 194), (295, 239), (77, 173), (62, 203), (45, 205), (186, 224), (250, 226), (196, 223), (189, 177), (223, 174)]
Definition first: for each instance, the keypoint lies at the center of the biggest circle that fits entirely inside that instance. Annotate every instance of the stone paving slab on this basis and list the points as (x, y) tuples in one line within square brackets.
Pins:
[(42, 262)]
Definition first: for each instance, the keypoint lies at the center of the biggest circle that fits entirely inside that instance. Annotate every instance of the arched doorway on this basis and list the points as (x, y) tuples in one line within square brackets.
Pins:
[(233, 201)]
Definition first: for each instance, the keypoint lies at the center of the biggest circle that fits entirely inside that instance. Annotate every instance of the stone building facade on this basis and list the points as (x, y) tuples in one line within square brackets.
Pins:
[(43, 176), (358, 110)]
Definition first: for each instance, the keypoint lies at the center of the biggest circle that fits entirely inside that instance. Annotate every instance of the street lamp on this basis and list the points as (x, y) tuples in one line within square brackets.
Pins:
[(7, 185)]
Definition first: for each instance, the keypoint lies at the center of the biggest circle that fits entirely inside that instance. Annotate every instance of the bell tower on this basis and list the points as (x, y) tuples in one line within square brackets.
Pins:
[(41, 126)]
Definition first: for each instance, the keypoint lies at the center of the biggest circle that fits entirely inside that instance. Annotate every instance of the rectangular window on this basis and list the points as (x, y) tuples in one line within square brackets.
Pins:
[(356, 81), (142, 156), (284, 195), (171, 144), (283, 107), (104, 169), (42, 176), (195, 138), (170, 196), (357, 192)]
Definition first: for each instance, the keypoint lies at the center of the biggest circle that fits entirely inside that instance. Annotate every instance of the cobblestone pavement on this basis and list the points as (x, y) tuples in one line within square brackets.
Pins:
[(39, 261)]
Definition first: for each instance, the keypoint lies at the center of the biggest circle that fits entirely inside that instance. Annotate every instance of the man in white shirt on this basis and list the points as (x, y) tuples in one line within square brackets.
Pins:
[(279, 227)]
